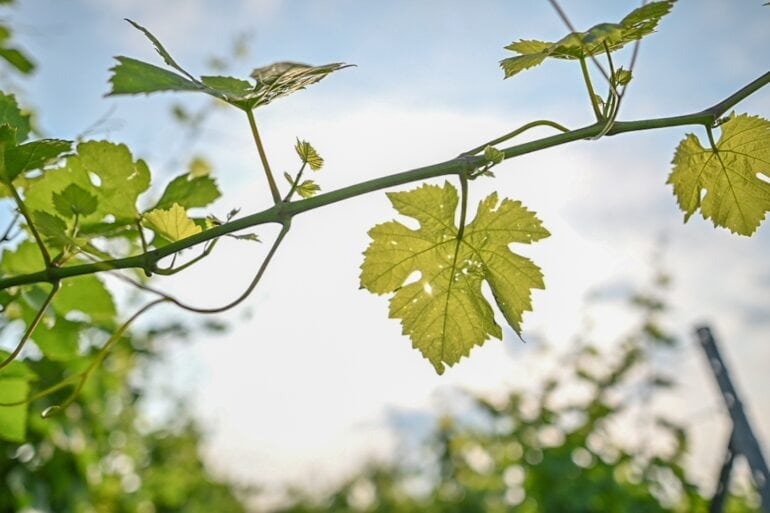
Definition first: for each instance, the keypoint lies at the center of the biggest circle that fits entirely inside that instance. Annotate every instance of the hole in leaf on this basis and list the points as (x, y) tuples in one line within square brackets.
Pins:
[(764, 177), (95, 179), (109, 218), (413, 278)]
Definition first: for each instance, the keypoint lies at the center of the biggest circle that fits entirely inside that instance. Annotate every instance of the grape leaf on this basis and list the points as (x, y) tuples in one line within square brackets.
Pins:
[(11, 115), (444, 311), (13, 419), (32, 155), (735, 197), (596, 40), (25, 259), (308, 189), (106, 170), (308, 155), (189, 192), (132, 76), (74, 200), (86, 294), (172, 224)]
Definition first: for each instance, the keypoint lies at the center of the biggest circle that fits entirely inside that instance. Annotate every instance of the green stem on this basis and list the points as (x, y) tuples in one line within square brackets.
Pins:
[(31, 328), (295, 183), (514, 133), (590, 87), (263, 157), (206, 252), (84, 375), (463, 208), (24, 212), (279, 213)]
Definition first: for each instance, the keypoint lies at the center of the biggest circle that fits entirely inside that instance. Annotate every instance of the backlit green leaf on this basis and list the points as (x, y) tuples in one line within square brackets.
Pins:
[(131, 76), (308, 189), (444, 311), (53, 229), (106, 170), (308, 155), (11, 115), (493, 155), (32, 155), (283, 78), (88, 295), (189, 192), (74, 200), (25, 259), (172, 224), (735, 197), (13, 419), (595, 41)]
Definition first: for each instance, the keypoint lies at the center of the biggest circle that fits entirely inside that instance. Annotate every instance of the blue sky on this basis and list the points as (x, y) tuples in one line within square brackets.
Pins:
[(316, 350)]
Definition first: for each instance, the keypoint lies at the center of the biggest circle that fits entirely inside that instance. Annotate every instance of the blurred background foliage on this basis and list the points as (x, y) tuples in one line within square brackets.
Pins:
[(551, 448)]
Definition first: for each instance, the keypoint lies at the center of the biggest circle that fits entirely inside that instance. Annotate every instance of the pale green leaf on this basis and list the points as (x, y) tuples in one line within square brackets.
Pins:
[(74, 200), (198, 167), (283, 78), (189, 192), (443, 311), (308, 189), (595, 41), (32, 155), (735, 197), (172, 224), (13, 419), (309, 155), (493, 155), (104, 169), (230, 86)]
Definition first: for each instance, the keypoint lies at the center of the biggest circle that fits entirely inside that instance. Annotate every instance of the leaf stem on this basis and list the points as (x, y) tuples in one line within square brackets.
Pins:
[(24, 212), (295, 183), (590, 87), (31, 328), (101, 355), (514, 133), (463, 208), (263, 157)]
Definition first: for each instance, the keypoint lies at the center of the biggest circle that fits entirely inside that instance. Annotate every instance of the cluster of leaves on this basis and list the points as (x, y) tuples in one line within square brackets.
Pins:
[(87, 203), (101, 454), (550, 449)]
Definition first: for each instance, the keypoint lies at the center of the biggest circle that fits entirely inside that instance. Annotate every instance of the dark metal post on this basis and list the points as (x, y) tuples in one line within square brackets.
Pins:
[(742, 441)]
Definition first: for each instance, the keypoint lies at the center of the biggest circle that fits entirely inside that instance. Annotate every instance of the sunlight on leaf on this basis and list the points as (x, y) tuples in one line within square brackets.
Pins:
[(444, 311), (736, 197), (308, 155), (579, 45), (172, 224)]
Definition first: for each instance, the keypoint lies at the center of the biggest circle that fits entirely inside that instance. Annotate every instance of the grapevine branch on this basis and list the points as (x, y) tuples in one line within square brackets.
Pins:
[(283, 211)]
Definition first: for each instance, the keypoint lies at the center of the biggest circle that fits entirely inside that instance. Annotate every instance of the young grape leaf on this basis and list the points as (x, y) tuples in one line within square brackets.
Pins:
[(736, 197), (308, 189), (13, 419), (596, 40), (308, 155), (74, 200), (11, 115), (32, 155), (52, 228), (172, 224), (444, 311), (189, 192), (132, 76)]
